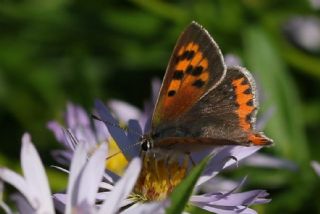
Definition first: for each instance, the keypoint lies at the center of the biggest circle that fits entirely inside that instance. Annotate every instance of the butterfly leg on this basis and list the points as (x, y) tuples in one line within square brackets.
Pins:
[(190, 157)]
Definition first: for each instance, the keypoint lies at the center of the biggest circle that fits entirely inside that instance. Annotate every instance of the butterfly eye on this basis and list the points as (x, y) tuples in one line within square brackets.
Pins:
[(146, 145)]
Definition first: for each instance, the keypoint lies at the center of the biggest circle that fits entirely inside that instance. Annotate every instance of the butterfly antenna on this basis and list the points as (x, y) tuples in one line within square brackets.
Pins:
[(124, 150), (117, 126)]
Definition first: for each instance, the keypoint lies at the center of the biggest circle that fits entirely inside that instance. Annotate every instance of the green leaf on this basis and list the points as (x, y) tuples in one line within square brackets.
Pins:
[(180, 196), (286, 125)]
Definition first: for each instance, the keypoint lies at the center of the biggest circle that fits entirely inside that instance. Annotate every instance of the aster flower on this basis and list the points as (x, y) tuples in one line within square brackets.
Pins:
[(159, 177), (79, 127), (33, 185), (78, 122), (85, 176)]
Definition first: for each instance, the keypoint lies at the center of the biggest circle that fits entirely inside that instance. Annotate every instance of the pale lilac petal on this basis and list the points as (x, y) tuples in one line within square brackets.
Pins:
[(230, 202), (117, 133), (62, 156), (6, 209), (56, 128), (110, 177), (146, 208), (262, 160), (70, 140), (222, 160), (75, 116), (106, 186), (22, 204), (60, 201), (92, 176), (316, 167), (35, 175), (101, 131), (3, 205), (85, 135), (228, 210), (124, 111), (236, 202), (17, 182), (212, 197), (237, 199), (78, 162), (218, 184), (122, 188)]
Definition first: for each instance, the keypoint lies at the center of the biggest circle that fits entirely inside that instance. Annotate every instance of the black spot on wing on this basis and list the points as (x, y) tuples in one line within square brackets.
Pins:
[(185, 55), (178, 75), (197, 71), (248, 118), (171, 93), (245, 81), (189, 69), (198, 83), (250, 102), (247, 91)]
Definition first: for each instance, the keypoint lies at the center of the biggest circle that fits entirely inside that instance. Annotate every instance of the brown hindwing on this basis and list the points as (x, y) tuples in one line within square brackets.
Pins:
[(227, 112)]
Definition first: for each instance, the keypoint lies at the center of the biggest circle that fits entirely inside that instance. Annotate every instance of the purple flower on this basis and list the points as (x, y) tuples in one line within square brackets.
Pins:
[(33, 185), (78, 122), (158, 177), (85, 178)]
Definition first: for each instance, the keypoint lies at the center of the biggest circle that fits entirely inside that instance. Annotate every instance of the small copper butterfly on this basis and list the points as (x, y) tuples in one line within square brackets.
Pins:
[(202, 102)]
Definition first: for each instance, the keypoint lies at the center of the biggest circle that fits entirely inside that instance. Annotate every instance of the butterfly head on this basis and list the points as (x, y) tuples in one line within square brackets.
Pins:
[(146, 143)]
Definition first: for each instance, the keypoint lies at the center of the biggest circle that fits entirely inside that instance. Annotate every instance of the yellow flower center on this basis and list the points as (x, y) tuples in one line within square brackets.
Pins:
[(118, 162), (158, 178)]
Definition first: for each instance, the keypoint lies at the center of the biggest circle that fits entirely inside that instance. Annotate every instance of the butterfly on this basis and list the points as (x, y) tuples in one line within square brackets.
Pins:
[(202, 102)]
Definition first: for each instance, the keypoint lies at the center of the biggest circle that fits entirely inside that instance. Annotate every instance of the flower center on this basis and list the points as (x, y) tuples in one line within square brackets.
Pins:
[(118, 162), (158, 178)]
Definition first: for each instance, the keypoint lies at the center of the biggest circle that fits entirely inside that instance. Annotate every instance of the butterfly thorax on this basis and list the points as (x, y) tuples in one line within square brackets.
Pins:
[(152, 141)]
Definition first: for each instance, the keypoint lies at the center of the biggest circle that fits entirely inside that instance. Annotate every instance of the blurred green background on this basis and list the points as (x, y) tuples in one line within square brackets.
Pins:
[(52, 52)]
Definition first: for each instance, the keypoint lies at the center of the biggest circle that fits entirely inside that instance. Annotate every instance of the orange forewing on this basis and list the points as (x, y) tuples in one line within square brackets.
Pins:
[(189, 75), (185, 90)]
